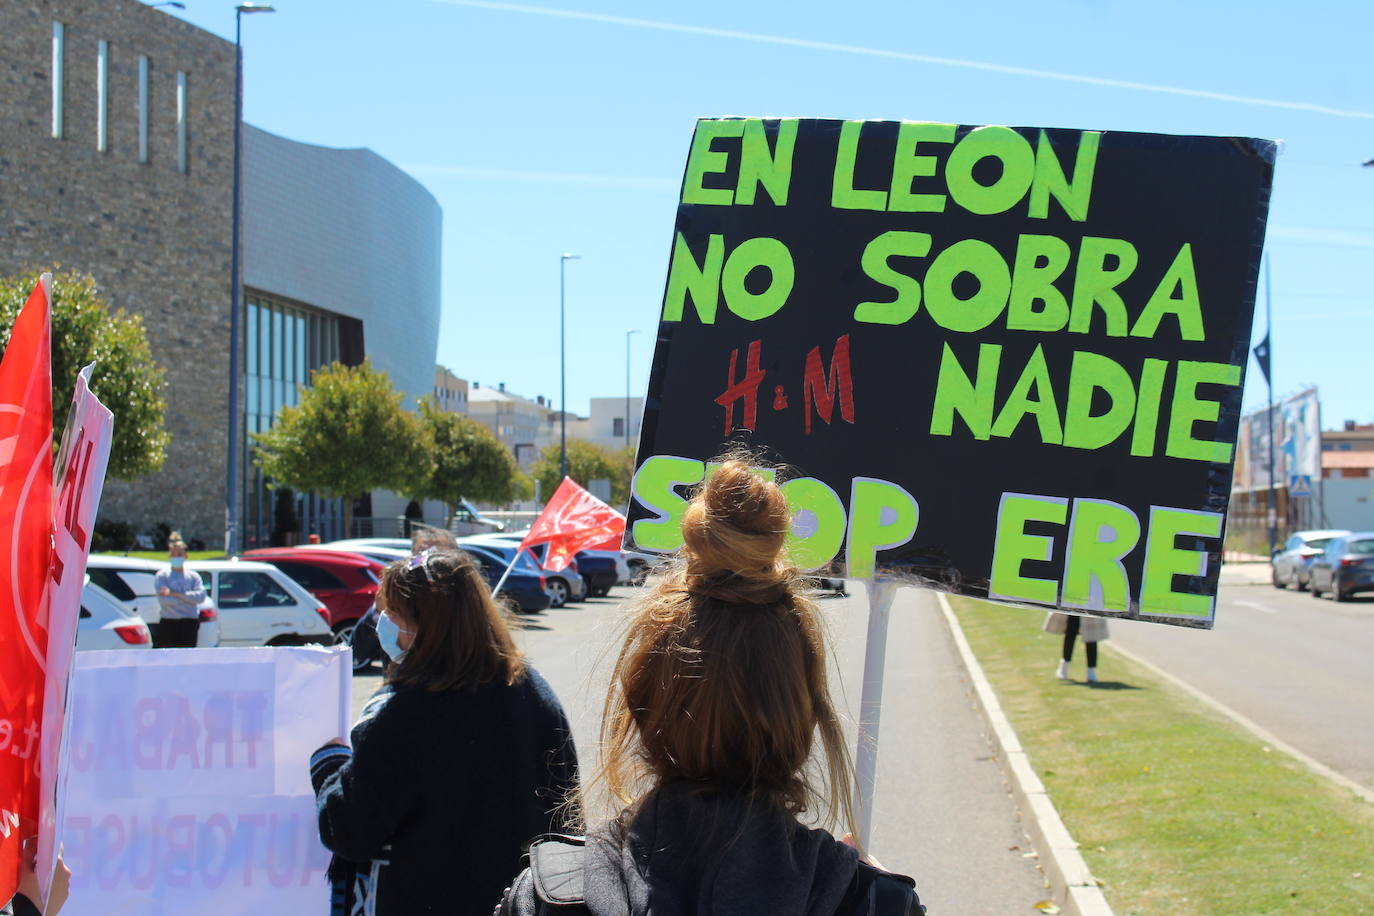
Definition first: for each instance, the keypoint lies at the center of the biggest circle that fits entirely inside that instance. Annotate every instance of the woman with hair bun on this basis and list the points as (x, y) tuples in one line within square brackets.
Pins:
[(717, 700), (460, 759)]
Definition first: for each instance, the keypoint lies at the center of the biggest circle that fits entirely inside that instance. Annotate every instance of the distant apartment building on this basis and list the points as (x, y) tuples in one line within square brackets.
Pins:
[(450, 391), (520, 424)]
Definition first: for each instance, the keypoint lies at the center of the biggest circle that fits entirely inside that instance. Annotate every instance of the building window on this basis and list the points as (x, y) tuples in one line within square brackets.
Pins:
[(142, 108), (283, 343), (102, 95), (618, 427), (58, 43), (181, 122)]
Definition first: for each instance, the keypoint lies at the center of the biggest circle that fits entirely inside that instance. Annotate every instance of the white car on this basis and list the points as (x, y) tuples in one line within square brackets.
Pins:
[(132, 582), (105, 624), (259, 605)]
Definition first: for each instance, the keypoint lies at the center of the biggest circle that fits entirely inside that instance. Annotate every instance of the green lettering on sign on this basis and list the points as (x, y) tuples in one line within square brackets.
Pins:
[(976, 257), (893, 243), (973, 401), (653, 486), (843, 195), (907, 166), (882, 515), (1014, 547), (1147, 407), (1042, 406), (1164, 560), (1091, 372), (1186, 307), (1101, 533), (759, 166), (1095, 283), (700, 281), (1040, 260), (1050, 181), (703, 161), (1018, 169), (1188, 409), (818, 523), (760, 252)]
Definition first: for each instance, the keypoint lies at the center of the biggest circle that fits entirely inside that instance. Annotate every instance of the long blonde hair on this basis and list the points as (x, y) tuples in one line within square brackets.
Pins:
[(721, 682)]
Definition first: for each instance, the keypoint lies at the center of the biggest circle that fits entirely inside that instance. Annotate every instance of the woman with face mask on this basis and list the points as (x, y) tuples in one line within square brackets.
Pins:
[(461, 758), (179, 594)]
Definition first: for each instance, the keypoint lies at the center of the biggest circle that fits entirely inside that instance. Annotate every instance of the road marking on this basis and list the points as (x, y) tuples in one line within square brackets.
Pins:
[(1256, 605)]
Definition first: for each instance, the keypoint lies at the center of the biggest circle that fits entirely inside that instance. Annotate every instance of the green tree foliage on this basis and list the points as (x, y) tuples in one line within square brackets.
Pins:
[(587, 461), (126, 379), (348, 435), (466, 461)]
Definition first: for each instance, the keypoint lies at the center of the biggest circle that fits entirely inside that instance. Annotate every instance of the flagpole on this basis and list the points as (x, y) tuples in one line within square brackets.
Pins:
[(1269, 377), (502, 581)]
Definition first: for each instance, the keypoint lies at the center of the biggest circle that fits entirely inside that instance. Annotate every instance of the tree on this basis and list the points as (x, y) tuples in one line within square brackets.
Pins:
[(126, 378), (466, 460), (587, 461), (349, 435)]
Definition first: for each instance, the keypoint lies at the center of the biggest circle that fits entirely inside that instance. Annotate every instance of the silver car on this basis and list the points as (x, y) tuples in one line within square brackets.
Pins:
[(1292, 564)]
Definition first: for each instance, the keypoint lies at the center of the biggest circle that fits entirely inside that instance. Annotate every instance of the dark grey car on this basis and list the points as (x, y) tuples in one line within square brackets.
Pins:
[(1290, 565), (1345, 567)]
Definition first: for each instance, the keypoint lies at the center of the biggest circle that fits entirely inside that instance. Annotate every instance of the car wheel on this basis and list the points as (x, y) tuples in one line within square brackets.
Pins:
[(1297, 581), (343, 632), (1274, 577), (558, 591), (1315, 592), (1339, 594)]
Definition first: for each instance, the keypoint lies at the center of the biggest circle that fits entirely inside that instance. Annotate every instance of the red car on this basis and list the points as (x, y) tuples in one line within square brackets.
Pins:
[(345, 583)]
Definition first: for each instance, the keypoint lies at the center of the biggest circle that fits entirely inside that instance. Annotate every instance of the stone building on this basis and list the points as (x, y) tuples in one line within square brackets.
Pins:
[(116, 160)]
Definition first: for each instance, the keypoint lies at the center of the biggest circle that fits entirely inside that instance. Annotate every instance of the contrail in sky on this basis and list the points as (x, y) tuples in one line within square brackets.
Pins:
[(903, 55), (630, 182)]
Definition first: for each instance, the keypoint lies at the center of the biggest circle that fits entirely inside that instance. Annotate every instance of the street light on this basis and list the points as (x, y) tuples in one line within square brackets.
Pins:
[(231, 489), (172, 3), (627, 384), (563, 259)]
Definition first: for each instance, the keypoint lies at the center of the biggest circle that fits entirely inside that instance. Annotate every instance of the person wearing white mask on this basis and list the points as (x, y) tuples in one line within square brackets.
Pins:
[(460, 759), (179, 594)]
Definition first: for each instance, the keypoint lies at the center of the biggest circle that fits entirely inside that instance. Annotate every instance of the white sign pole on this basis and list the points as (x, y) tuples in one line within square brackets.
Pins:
[(880, 595), (502, 581)]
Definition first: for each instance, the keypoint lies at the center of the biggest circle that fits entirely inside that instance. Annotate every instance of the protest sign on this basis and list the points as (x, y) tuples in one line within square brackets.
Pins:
[(1006, 362), (189, 780), (25, 552), (81, 460)]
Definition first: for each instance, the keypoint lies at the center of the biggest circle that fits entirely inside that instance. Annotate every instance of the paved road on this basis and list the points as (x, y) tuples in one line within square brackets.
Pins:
[(1300, 667), (942, 811)]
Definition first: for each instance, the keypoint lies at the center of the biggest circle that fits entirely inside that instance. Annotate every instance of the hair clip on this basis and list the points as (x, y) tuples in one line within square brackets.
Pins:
[(422, 559)]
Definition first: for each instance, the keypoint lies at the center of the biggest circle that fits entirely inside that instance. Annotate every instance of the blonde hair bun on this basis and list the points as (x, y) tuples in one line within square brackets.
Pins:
[(734, 533)]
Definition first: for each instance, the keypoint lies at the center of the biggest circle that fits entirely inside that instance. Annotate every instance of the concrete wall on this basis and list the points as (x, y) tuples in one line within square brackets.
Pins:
[(156, 240), (348, 232), (1349, 502)]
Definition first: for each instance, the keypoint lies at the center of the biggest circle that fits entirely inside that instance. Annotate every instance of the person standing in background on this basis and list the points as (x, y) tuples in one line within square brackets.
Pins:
[(179, 594), (1092, 629)]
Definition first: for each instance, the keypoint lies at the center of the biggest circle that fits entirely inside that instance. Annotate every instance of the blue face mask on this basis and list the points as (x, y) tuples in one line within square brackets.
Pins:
[(178, 562), (387, 634)]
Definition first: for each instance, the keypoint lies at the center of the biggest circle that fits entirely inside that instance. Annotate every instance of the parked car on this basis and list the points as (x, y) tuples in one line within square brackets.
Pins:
[(259, 605), (641, 564), (363, 640), (1293, 562), (106, 624), (467, 520), (563, 585), (524, 586), (132, 582), (1345, 566), (600, 569), (345, 583)]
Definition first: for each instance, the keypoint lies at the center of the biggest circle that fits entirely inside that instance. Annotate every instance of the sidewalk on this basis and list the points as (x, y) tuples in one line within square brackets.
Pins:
[(1254, 571)]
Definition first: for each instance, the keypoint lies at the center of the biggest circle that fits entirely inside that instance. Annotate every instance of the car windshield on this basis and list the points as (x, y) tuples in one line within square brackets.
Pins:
[(1365, 545), (1319, 542)]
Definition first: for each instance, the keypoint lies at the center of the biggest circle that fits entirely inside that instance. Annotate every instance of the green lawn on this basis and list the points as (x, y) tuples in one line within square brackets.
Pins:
[(1177, 809)]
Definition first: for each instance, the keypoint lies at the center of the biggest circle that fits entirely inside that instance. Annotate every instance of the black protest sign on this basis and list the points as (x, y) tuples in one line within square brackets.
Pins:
[(1005, 361)]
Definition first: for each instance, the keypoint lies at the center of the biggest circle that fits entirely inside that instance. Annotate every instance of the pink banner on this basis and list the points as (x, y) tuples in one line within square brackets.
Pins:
[(81, 461)]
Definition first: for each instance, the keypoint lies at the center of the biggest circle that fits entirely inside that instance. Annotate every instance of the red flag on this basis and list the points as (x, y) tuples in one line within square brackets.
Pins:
[(25, 555), (573, 520)]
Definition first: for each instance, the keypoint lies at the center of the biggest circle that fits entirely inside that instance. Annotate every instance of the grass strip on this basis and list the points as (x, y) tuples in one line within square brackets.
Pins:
[(1177, 809), (192, 555)]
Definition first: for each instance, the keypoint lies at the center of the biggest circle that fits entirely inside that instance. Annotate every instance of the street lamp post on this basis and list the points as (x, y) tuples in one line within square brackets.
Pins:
[(231, 494), (563, 259), (627, 384)]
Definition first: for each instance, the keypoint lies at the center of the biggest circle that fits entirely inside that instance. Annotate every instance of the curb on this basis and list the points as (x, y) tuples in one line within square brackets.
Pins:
[(1312, 764), (1072, 885)]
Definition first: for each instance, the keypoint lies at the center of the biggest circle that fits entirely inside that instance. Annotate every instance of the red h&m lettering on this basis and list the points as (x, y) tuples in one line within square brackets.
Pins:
[(747, 388), (823, 390)]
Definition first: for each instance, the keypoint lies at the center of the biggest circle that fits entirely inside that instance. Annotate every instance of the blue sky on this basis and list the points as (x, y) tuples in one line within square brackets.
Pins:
[(544, 129)]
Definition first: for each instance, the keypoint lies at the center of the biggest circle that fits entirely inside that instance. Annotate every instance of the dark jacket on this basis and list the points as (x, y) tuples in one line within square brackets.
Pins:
[(20, 905), (693, 855), (432, 809)]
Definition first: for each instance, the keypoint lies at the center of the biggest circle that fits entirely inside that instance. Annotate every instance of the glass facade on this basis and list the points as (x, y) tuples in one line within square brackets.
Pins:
[(283, 343)]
